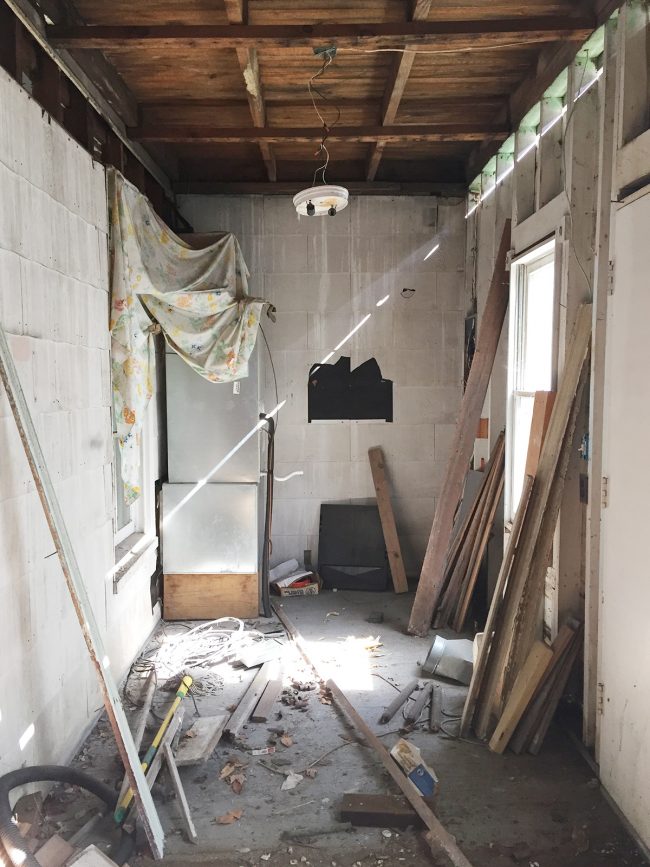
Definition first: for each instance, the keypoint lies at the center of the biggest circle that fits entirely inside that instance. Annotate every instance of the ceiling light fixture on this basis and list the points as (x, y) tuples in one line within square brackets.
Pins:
[(321, 199)]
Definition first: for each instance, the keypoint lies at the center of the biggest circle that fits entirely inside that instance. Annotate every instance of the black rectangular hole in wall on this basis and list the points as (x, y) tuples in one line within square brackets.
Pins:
[(335, 392)]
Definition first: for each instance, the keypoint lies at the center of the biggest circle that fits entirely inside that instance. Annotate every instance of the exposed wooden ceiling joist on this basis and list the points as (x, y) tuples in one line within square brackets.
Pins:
[(461, 35), (395, 87), (388, 134), (290, 188), (249, 65)]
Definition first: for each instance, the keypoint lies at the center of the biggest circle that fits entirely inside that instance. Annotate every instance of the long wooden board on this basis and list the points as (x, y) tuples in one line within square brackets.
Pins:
[(526, 683), (542, 409), (249, 699), (481, 664), (268, 698), (77, 589), (439, 839), (200, 741), (393, 549), (489, 333), (207, 597)]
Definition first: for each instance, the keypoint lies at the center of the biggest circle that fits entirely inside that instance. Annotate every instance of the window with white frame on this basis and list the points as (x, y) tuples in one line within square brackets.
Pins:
[(532, 354)]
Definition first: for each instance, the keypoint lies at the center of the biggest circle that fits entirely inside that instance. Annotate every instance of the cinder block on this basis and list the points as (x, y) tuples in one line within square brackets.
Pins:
[(322, 293), (329, 254), (400, 442), (414, 515), (309, 442), (11, 295), (327, 330), (421, 479), (289, 332), (445, 437), (452, 294), (286, 254)]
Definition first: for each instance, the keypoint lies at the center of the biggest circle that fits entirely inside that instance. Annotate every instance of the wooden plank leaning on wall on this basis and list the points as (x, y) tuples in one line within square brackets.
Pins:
[(433, 568)]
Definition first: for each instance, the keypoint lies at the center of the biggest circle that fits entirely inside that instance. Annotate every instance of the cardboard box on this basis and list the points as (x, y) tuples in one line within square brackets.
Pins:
[(310, 589)]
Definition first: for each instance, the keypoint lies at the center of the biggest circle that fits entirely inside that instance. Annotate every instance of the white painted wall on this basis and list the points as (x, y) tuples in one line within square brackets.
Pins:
[(324, 275), (624, 652), (54, 305)]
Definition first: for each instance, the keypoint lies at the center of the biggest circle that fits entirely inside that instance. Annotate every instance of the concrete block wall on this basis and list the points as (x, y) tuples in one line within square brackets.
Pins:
[(54, 306), (324, 275)]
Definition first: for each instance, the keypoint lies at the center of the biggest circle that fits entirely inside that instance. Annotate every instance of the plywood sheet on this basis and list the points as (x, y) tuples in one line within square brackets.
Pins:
[(206, 597)]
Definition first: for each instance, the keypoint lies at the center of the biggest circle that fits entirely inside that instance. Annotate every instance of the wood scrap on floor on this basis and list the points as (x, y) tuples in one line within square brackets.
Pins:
[(393, 549), (440, 841), (391, 709), (241, 714), (514, 613), (55, 852), (380, 811), (200, 741), (181, 798), (91, 857), (271, 694), (433, 568)]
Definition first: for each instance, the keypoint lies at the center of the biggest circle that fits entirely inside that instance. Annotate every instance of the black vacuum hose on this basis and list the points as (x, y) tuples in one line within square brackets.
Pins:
[(10, 837)]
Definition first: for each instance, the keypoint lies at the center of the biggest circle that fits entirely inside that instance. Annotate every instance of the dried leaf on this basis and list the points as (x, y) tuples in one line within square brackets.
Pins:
[(311, 773), (230, 817), (237, 783), (286, 740), (227, 770)]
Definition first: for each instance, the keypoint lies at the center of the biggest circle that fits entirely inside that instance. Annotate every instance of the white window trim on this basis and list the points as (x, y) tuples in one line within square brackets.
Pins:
[(138, 538), (518, 272)]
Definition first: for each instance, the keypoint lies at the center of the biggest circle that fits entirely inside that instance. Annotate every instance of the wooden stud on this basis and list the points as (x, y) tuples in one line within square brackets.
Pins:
[(472, 404), (393, 549), (177, 785), (267, 700), (480, 666), (524, 688), (248, 701)]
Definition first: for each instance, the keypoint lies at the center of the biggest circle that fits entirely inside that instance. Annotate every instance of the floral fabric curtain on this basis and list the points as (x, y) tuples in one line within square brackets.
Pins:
[(198, 297)]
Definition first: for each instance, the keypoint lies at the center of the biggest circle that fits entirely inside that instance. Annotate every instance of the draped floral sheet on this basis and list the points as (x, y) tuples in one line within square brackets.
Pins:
[(199, 298)]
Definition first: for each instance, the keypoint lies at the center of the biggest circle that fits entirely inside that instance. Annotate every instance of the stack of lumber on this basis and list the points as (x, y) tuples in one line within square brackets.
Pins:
[(509, 652), (534, 722), (468, 547)]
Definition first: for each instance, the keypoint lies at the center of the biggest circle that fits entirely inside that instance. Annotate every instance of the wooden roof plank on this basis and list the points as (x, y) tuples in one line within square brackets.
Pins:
[(395, 87), (461, 35), (237, 13)]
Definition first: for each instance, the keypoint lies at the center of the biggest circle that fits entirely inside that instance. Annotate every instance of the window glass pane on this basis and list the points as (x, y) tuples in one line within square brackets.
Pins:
[(122, 511), (537, 332)]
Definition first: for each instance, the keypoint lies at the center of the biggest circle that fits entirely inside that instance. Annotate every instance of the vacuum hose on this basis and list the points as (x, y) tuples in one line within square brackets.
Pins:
[(11, 838)]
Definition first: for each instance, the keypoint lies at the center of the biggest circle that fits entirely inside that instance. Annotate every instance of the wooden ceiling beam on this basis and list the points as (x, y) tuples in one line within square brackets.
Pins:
[(406, 133), (290, 188), (399, 73), (237, 13), (460, 35)]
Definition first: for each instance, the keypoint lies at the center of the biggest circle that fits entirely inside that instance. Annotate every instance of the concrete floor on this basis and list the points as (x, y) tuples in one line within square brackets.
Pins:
[(545, 811)]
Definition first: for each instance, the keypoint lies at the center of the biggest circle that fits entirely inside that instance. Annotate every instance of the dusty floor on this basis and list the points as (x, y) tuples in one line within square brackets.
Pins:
[(545, 811)]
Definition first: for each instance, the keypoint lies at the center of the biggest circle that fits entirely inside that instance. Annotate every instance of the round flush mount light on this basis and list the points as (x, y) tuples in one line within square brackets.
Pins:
[(322, 200)]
